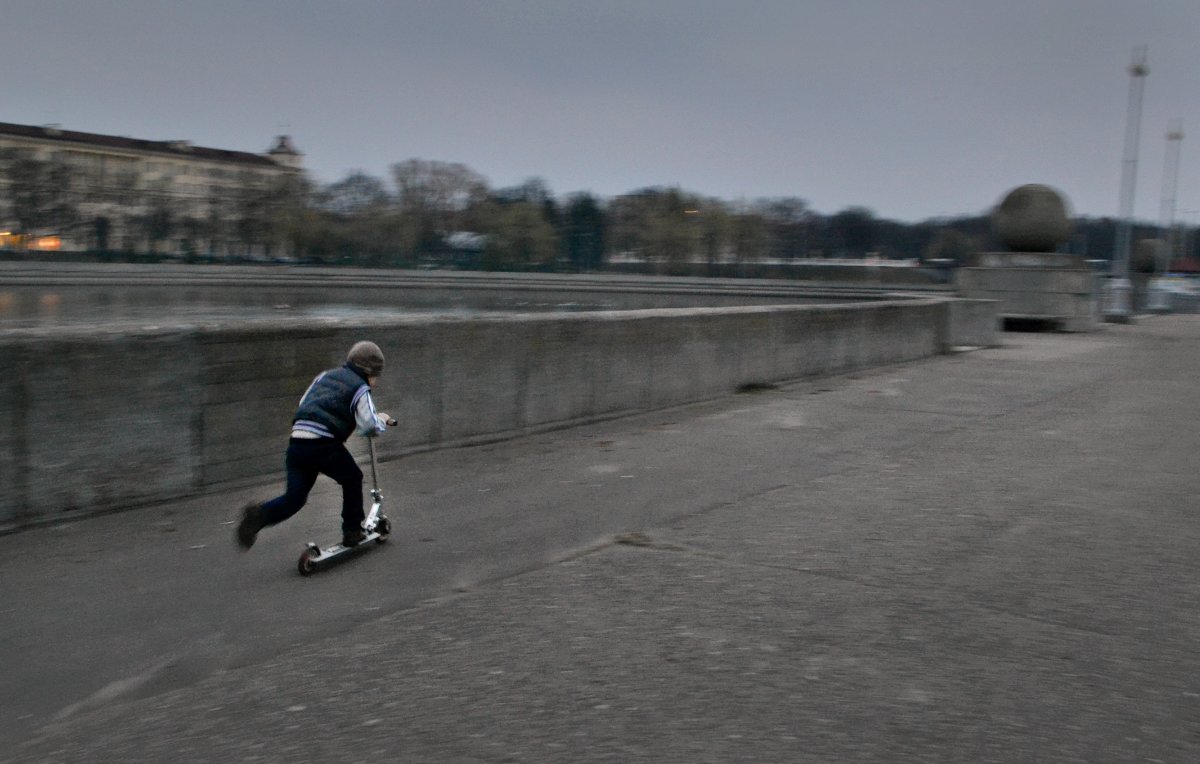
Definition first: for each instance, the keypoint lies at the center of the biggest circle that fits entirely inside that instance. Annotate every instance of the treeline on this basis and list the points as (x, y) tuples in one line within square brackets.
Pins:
[(445, 214)]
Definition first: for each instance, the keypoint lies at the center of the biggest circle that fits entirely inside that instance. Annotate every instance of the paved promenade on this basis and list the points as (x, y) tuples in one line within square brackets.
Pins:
[(990, 556)]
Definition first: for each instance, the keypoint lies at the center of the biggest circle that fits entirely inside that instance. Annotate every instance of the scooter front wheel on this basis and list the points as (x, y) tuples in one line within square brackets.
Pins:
[(383, 528), (307, 563)]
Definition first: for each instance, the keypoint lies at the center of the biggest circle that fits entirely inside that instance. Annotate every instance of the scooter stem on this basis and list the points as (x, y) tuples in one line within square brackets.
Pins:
[(374, 477)]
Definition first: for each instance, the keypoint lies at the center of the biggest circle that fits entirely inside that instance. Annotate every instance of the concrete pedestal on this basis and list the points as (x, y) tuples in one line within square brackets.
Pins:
[(1061, 290), (1117, 298)]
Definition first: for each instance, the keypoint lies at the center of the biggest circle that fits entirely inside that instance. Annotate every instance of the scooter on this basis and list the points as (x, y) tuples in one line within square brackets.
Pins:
[(376, 527)]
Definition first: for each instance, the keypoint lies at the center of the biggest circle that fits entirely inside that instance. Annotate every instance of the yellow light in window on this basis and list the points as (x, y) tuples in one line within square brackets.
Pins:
[(47, 243)]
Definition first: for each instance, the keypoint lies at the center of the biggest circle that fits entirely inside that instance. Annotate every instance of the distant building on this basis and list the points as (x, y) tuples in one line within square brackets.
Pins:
[(68, 190)]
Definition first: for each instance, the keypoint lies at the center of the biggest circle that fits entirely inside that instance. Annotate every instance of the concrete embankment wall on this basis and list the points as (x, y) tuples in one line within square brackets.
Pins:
[(107, 418)]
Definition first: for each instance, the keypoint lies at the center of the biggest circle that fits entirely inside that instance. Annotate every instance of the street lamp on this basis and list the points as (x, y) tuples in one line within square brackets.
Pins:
[(1117, 309), (1160, 298)]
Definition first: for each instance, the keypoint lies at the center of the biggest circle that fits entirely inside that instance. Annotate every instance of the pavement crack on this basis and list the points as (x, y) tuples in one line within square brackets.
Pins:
[(648, 542), (1046, 621)]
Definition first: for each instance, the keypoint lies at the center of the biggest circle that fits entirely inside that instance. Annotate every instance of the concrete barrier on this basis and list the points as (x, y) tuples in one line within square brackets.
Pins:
[(98, 419)]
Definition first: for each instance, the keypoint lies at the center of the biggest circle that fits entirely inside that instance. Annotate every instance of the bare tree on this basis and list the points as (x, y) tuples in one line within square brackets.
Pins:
[(789, 221), (715, 224), (520, 236), (435, 197), (117, 200), (158, 216), (356, 194), (662, 225), (40, 193), (750, 237), (854, 230)]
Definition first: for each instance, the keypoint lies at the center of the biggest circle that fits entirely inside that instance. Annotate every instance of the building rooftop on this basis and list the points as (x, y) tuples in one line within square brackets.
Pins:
[(172, 148)]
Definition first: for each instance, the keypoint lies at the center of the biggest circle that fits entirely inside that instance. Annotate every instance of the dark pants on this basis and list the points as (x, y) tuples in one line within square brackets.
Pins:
[(305, 460)]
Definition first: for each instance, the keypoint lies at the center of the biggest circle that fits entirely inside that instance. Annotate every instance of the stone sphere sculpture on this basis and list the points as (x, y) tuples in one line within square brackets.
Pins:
[(1031, 218)]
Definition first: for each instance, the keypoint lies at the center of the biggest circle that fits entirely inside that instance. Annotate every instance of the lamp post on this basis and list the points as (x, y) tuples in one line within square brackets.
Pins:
[(1117, 308), (1160, 298)]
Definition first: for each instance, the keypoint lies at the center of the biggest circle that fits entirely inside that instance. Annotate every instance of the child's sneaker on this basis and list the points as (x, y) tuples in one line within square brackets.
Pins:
[(353, 538), (251, 524)]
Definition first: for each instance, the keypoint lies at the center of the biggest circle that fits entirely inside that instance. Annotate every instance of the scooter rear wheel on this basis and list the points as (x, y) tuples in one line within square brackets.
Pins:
[(307, 563)]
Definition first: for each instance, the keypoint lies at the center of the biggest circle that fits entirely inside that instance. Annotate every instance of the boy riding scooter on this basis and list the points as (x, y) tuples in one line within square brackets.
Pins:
[(336, 405)]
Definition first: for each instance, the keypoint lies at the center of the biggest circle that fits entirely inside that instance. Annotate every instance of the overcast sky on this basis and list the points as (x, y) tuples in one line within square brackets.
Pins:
[(911, 108)]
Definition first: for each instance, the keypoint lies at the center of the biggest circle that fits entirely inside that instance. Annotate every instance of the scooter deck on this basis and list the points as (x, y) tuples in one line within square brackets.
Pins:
[(337, 550), (316, 557)]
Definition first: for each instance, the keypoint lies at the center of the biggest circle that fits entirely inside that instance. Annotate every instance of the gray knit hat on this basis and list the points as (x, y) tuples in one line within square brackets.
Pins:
[(367, 357)]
